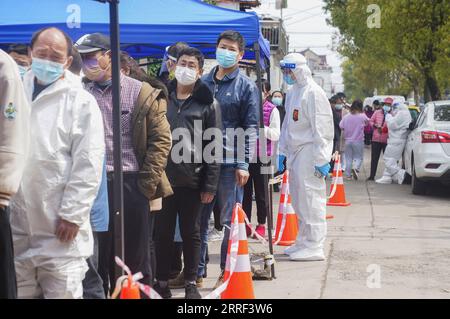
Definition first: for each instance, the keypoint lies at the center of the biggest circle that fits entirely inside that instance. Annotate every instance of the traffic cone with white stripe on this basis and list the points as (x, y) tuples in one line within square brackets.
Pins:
[(241, 283), (338, 199), (287, 222)]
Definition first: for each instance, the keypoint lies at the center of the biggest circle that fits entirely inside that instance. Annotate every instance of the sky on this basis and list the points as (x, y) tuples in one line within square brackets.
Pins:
[(305, 22)]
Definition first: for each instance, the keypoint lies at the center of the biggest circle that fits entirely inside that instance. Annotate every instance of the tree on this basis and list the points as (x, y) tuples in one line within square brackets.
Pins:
[(409, 49)]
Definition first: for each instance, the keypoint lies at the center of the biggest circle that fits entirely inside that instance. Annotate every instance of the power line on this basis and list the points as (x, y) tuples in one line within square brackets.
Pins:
[(302, 11), (313, 32), (301, 20)]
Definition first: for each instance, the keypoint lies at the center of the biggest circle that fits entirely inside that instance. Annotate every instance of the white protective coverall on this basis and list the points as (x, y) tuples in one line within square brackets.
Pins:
[(307, 141), (61, 180), (397, 124)]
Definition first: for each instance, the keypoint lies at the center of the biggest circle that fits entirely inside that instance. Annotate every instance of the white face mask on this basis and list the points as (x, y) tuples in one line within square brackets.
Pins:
[(185, 75)]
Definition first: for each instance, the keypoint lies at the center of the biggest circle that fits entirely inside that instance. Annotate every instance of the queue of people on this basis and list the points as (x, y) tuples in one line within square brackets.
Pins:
[(57, 225), (57, 218), (383, 126)]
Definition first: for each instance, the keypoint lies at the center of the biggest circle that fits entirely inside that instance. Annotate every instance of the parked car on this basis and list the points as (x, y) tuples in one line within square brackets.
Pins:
[(427, 152)]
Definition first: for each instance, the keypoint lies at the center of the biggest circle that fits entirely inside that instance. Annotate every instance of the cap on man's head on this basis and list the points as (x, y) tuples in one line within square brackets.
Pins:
[(341, 95), (93, 42)]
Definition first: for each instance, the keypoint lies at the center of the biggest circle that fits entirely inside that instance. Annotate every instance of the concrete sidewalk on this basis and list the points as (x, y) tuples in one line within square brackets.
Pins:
[(387, 244)]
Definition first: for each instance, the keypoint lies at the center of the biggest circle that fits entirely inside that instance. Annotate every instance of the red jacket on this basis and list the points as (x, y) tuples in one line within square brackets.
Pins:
[(378, 120)]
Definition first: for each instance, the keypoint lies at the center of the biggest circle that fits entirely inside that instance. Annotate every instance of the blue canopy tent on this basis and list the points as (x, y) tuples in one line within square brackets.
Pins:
[(146, 27)]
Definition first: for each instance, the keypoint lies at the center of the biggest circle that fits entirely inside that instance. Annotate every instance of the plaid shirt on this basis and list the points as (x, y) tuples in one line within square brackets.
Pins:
[(129, 93)]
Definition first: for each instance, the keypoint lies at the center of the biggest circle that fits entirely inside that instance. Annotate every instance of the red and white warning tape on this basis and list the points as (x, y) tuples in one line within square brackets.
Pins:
[(215, 294)]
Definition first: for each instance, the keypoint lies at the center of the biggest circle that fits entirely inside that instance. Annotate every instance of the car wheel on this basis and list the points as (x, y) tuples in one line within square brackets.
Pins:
[(418, 187)]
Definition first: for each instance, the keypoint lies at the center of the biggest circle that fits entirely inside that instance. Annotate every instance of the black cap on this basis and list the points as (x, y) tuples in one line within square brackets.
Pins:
[(93, 42), (341, 95)]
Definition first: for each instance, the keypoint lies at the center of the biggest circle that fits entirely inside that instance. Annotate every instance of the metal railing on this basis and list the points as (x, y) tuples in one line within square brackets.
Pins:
[(275, 33)]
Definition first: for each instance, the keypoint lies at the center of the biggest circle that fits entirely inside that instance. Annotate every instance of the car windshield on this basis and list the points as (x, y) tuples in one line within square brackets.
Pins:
[(442, 113)]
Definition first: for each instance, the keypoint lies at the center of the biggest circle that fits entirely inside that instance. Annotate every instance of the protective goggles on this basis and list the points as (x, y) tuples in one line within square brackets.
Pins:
[(287, 65)]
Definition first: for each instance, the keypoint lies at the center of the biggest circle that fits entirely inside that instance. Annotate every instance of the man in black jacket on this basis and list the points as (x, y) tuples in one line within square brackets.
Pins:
[(193, 176)]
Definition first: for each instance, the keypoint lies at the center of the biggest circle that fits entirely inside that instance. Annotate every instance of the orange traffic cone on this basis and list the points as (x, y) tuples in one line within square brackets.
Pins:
[(241, 284), (338, 198), (130, 291), (286, 212)]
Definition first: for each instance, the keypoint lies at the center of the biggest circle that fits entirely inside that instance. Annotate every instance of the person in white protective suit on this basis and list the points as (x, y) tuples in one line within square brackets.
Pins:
[(397, 121), (50, 213), (307, 142)]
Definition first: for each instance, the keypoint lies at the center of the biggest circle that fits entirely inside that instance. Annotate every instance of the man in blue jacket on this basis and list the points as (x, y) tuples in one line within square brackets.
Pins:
[(239, 102)]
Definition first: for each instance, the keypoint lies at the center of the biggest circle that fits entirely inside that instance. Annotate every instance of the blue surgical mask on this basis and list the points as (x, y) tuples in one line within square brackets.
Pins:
[(23, 70), (338, 107), (278, 101), (46, 71), (288, 79), (226, 58), (387, 108)]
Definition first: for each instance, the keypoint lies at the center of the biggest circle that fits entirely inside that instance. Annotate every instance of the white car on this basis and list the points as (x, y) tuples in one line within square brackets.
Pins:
[(427, 153)]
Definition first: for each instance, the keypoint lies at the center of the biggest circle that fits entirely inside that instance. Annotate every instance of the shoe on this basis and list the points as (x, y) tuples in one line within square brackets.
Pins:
[(384, 180), (261, 230), (199, 282), (220, 280), (348, 178), (355, 174), (292, 249), (215, 235), (165, 292), (307, 254), (370, 179), (401, 176), (178, 282), (191, 292)]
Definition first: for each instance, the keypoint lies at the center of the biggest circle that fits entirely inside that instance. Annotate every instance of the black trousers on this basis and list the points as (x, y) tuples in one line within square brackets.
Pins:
[(216, 212), (368, 138), (138, 224), (8, 285), (255, 180), (185, 202), (377, 148)]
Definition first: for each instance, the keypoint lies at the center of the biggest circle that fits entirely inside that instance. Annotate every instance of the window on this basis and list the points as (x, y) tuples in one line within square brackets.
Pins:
[(442, 113)]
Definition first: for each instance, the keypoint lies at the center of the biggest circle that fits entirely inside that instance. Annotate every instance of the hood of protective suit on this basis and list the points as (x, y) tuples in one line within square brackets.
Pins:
[(398, 123), (302, 72)]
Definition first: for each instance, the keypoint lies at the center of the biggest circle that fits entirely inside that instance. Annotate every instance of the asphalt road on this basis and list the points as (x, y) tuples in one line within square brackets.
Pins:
[(388, 244)]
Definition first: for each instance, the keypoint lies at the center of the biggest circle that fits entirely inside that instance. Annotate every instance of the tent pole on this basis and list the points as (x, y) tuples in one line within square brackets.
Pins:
[(268, 201), (119, 247)]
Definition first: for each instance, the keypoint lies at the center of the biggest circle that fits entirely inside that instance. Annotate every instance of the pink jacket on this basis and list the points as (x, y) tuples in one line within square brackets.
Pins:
[(376, 121)]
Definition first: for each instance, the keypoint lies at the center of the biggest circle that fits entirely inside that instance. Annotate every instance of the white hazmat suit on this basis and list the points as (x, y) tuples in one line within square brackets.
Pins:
[(307, 141), (61, 180), (397, 124)]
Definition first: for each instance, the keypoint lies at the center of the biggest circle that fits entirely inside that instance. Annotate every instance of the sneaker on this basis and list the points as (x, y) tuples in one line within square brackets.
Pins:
[(261, 230), (348, 178), (355, 174), (199, 282), (306, 254), (192, 292), (178, 282), (292, 249), (370, 179), (220, 280), (165, 292), (384, 180), (215, 235)]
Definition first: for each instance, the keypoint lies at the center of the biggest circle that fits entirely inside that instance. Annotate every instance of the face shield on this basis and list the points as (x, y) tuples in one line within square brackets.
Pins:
[(287, 68)]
